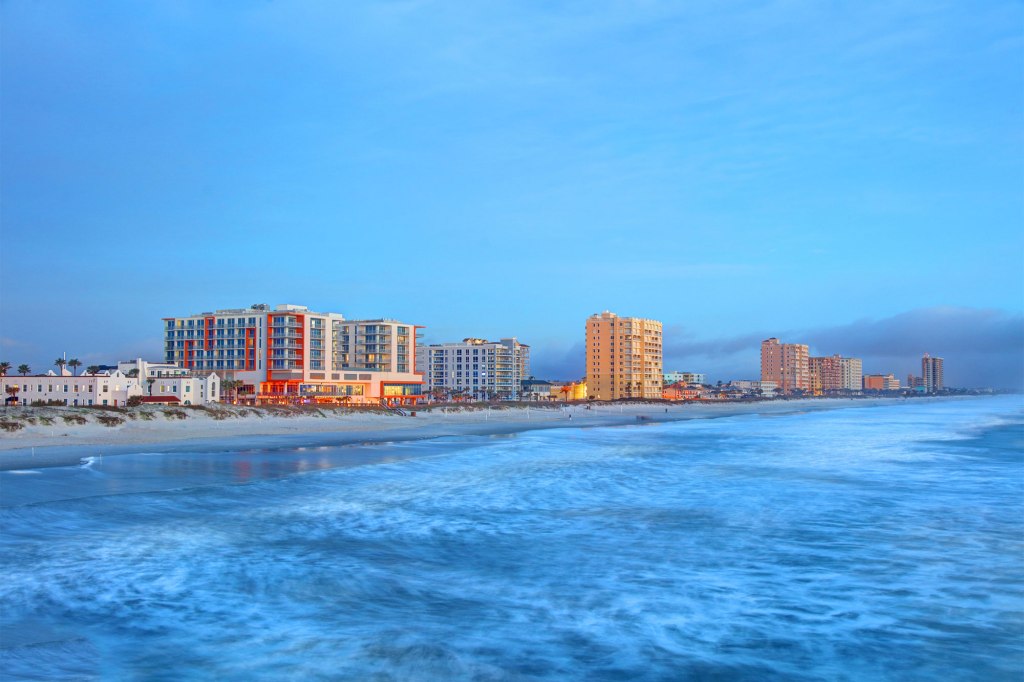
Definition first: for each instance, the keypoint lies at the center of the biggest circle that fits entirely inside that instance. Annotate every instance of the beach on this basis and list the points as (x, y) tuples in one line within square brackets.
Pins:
[(63, 441)]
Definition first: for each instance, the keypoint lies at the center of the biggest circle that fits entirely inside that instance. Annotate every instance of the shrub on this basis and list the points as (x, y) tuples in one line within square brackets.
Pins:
[(175, 414), (11, 426), (110, 420), (135, 401), (74, 419)]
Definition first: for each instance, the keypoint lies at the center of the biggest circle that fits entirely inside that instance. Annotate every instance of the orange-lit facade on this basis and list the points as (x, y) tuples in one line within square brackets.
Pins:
[(787, 364), (291, 354), (624, 357), (881, 382), (826, 374)]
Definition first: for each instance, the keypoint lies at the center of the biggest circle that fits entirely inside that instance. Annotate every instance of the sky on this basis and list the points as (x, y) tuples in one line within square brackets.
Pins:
[(849, 175)]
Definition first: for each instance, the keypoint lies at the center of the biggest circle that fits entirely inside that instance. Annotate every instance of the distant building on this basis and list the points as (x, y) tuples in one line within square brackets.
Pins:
[(477, 368), (623, 357), (914, 382), (931, 373), (669, 378), (682, 390), (881, 382), (835, 373), (576, 390), (786, 364), (826, 374), (535, 389), (760, 389)]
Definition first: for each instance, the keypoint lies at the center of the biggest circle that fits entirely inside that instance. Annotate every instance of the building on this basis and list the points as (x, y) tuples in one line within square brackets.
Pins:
[(669, 378), (113, 389), (189, 390), (826, 374), (476, 368), (683, 391), (292, 354), (881, 382), (760, 389), (623, 357), (786, 364), (535, 389), (931, 373), (143, 369), (576, 390), (853, 371)]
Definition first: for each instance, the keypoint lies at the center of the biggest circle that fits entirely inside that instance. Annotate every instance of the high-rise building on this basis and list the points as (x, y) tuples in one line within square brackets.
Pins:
[(623, 357), (853, 373), (291, 354), (826, 373), (477, 368), (787, 364), (931, 373)]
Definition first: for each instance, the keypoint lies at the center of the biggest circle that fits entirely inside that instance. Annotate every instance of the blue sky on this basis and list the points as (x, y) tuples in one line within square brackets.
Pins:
[(844, 172)]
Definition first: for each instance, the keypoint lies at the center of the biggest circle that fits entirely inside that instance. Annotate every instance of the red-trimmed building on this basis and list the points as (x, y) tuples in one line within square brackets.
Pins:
[(290, 354)]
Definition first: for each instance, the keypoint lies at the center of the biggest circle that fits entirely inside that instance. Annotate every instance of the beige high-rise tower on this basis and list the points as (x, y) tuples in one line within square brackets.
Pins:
[(623, 357), (787, 364)]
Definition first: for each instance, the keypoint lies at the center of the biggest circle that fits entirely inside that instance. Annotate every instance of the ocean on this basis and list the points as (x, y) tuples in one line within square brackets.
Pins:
[(869, 543)]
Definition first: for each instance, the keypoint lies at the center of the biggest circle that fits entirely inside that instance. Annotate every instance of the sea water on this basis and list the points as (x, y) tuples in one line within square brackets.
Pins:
[(870, 543)]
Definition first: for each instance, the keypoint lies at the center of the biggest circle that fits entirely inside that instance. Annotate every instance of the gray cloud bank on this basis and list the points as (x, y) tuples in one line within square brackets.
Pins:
[(981, 347)]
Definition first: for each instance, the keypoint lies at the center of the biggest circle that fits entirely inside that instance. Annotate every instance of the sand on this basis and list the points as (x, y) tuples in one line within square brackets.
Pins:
[(61, 443)]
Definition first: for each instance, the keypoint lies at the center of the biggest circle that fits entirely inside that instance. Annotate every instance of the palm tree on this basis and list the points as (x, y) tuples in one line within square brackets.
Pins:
[(24, 369), (132, 373), (74, 364), (150, 381), (12, 390), (5, 367), (60, 362), (565, 390), (92, 369)]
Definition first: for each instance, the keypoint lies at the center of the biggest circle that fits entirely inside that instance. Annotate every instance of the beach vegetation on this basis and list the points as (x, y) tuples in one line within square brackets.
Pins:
[(74, 419), (24, 369), (11, 426)]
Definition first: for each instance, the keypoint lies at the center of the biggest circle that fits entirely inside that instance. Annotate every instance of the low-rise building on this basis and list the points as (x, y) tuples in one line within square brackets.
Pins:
[(683, 391), (758, 389), (190, 390), (105, 388), (881, 382), (669, 378), (576, 390)]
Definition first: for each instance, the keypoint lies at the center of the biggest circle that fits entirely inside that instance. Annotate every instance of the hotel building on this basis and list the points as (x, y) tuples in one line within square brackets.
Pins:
[(292, 354), (623, 357), (931, 373), (835, 373), (787, 364), (670, 378), (477, 368)]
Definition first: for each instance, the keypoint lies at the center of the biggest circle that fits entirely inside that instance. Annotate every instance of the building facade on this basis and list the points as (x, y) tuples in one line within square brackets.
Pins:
[(826, 374), (931, 374), (786, 364), (113, 389), (624, 357), (758, 389), (881, 382), (292, 354), (476, 368), (669, 378), (853, 373)]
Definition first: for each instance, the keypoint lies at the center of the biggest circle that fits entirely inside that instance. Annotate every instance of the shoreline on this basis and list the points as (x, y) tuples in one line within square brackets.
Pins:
[(54, 445)]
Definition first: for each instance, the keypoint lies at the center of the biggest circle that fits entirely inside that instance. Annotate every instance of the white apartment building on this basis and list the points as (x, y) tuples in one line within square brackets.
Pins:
[(852, 370), (477, 368), (292, 354), (764, 389), (684, 377), (188, 390), (113, 389)]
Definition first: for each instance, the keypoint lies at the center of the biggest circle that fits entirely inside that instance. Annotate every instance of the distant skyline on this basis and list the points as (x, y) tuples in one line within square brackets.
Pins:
[(847, 177)]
